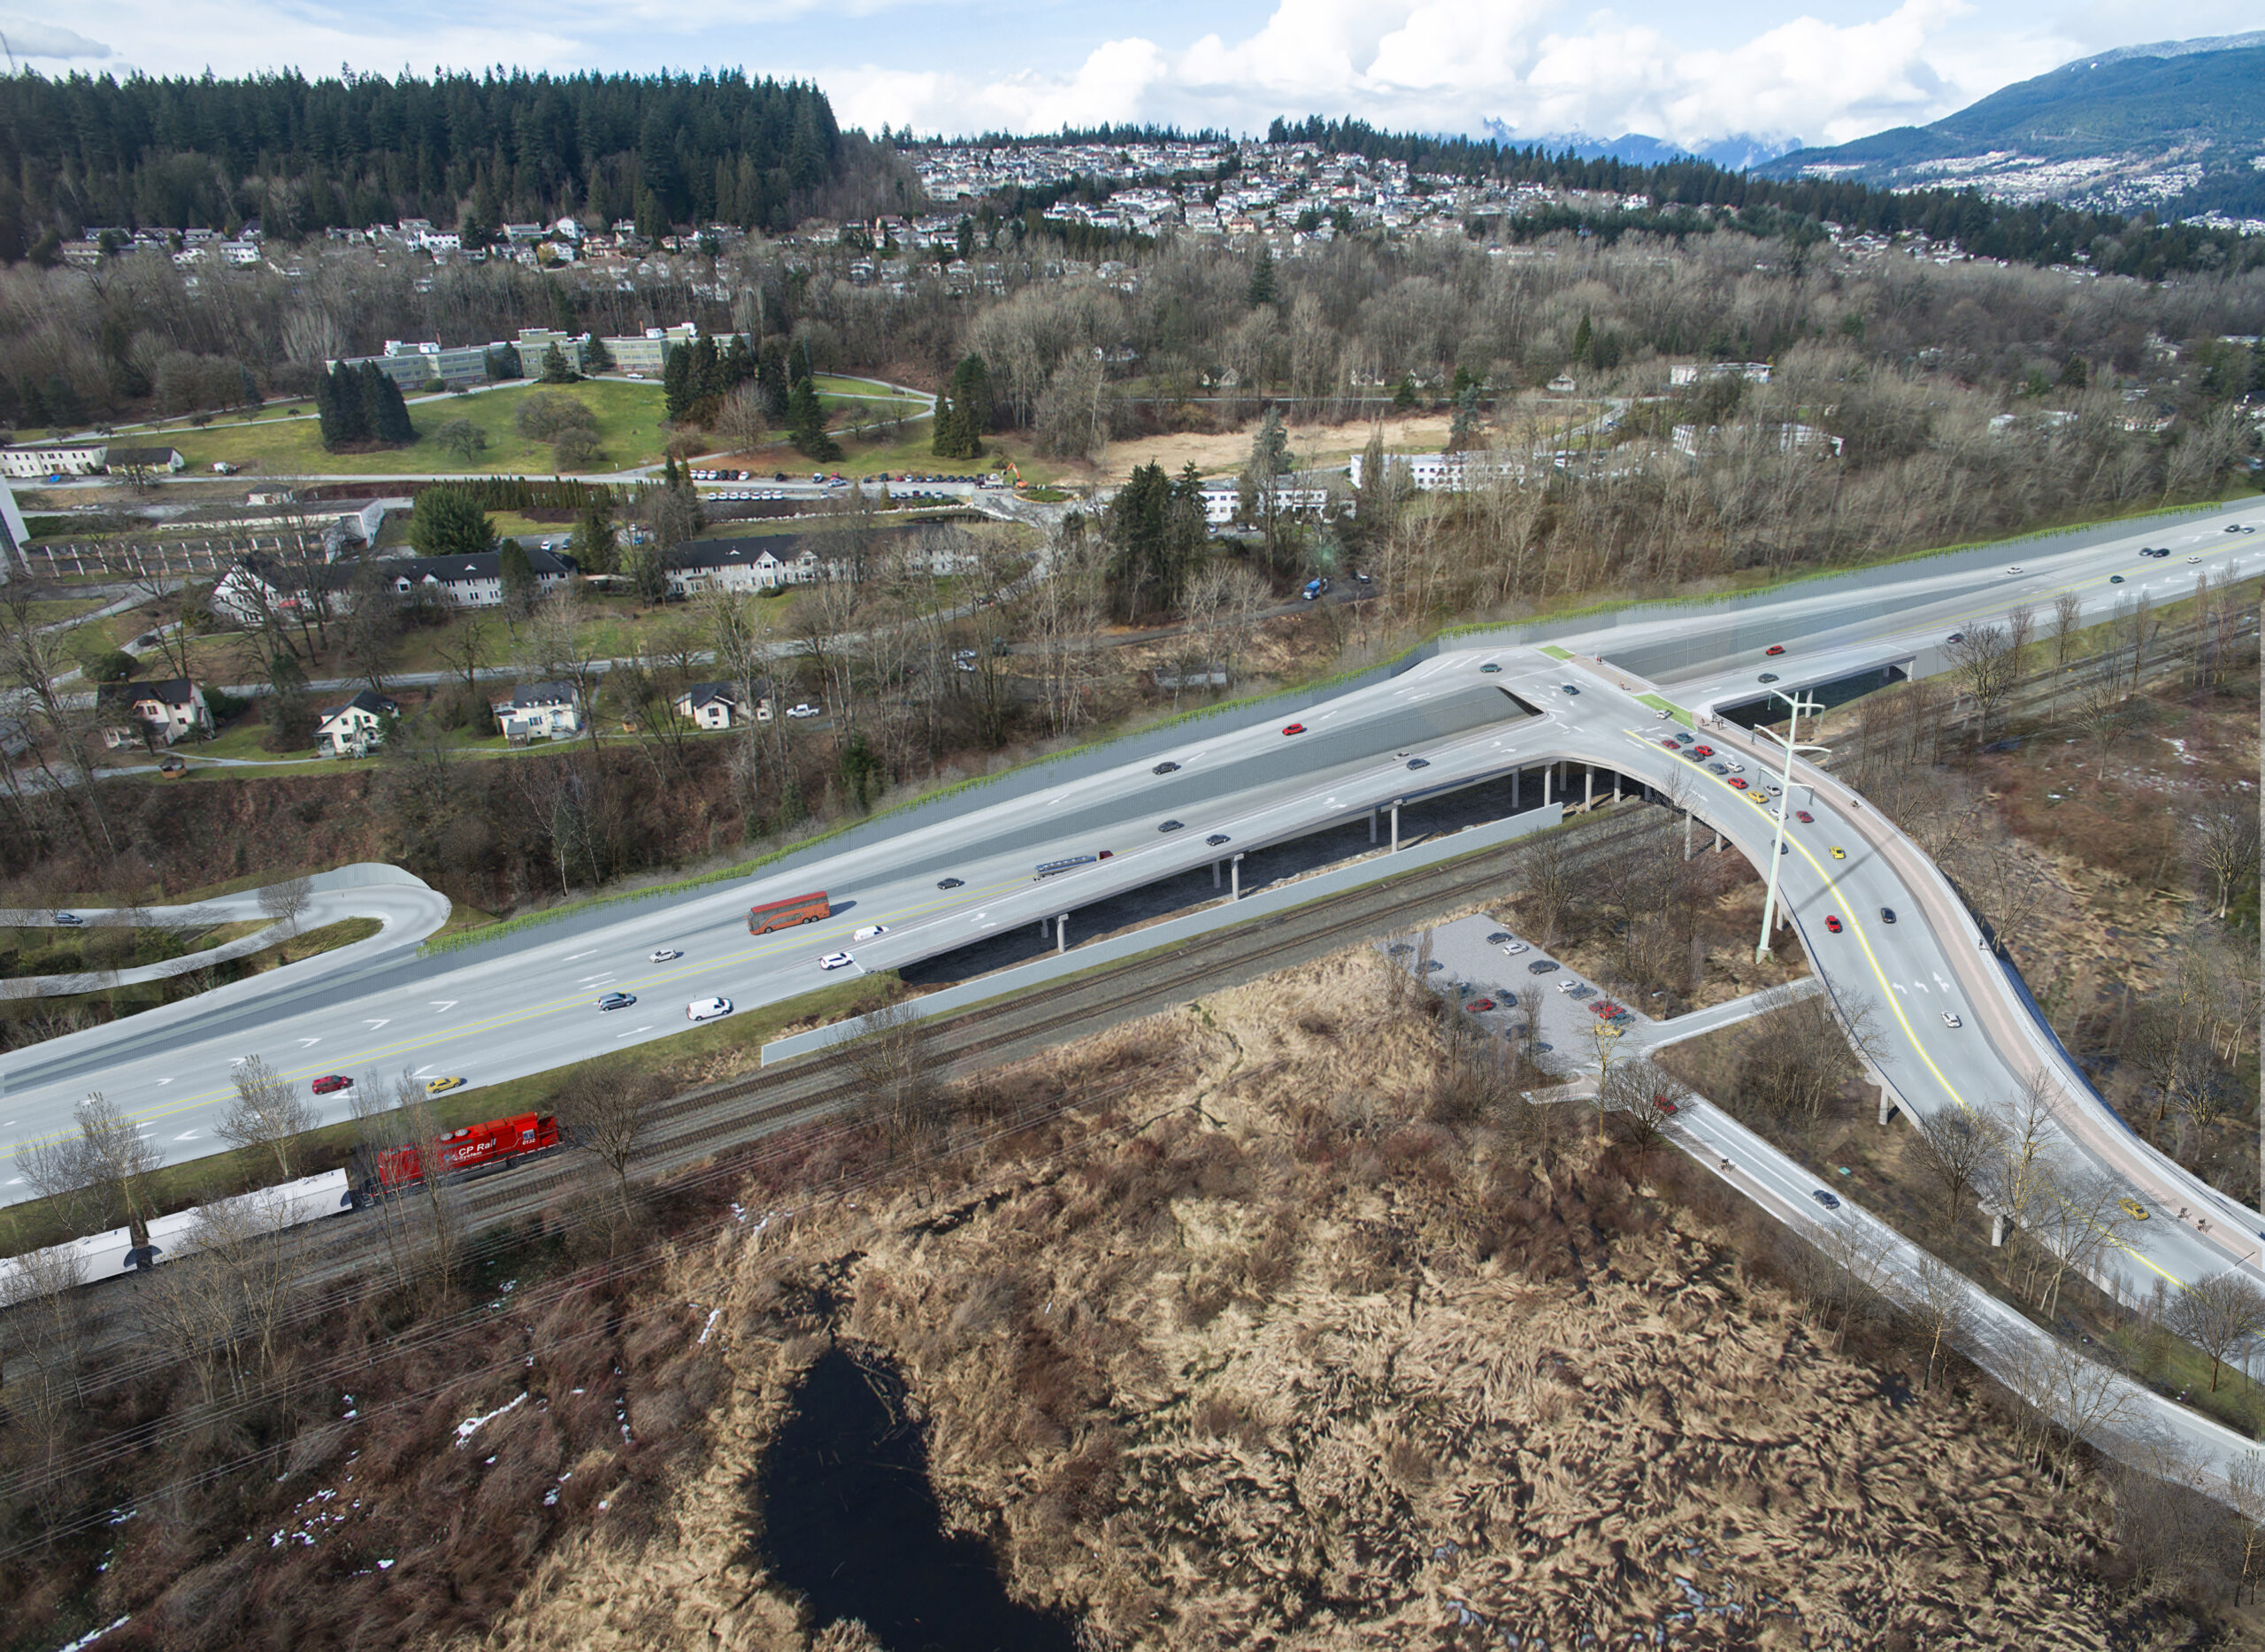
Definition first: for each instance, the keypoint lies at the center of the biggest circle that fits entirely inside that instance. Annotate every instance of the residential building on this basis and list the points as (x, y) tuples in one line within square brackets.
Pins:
[(169, 711), (546, 710), (120, 461), (723, 704), (357, 727), (1693, 371), (54, 459), (259, 586), (415, 365), (741, 564), (648, 353), (475, 582)]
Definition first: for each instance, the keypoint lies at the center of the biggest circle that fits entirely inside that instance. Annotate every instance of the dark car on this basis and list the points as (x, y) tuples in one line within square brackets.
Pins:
[(951, 883), (1685, 740), (1769, 676), (1170, 826), (1498, 937), (1419, 762), (1433, 966), (1217, 838), (1542, 967), (1570, 688), (1827, 1199), (1832, 924), (2115, 579), (330, 1083), (1886, 914), (1774, 650), (1400, 948), (1956, 636), (70, 920), (1165, 768), (1490, 668), (617, 1001)]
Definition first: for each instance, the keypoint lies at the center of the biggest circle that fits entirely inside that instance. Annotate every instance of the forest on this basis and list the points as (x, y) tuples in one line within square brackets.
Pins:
[(299, 157)]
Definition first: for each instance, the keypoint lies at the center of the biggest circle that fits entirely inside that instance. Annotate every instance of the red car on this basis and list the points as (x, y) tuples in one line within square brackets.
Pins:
[(1296, 728), (1671, 745), (1702, 752), (1832, 924), (1774, 649), (1737, 783), (1662, 1104), (1804, 817), (1479, 1006), (331, 1082)]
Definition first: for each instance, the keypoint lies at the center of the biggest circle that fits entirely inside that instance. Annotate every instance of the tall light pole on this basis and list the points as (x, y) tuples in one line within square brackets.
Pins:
[(1796, 704)]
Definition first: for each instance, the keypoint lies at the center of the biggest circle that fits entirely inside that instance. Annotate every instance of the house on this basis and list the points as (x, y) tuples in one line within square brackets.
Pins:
[(125, 461), (59, 458), (353, 730), (475, 582), (547, 710), (131, 712), (259, 586), (723, 704), (741, 564), (1562, 385)]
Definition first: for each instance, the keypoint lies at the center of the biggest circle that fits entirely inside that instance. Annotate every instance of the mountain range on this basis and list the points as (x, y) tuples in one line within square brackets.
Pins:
[(2177, 126), (1737, 152)]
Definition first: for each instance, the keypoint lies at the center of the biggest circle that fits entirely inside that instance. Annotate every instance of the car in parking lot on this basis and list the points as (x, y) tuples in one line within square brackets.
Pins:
[(869, 931), (1693, 756), (1775, 648), (1511, 948), (2133, 1209), (1671, 745), (1702, 752), (836, 961), (1293, 728), (1828, 1201), (1719, 768), (1737, 785), (330, 1083), (1498, 937), (1217, 838), (1951, 1020), (1479, 1006), (1171, 825), (1832, 924), (617, 1001), (1542, 967), (1491, 669), (1886, 914), (1432, 966), (949, 883), (1804, 817), (707, 1009), (442, 1087), (1685, 740), (1165, 768)]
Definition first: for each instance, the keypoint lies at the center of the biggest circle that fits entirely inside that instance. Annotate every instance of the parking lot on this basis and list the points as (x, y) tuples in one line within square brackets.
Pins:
[(1475, 960)]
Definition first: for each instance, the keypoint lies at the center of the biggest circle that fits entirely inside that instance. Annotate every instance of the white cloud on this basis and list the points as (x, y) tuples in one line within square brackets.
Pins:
[(45, 40), (1445, 66)]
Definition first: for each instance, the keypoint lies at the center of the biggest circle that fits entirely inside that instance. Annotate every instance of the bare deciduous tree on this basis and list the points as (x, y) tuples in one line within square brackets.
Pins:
[(2228, 843), (892, 1062), (1984, 662), (1936, 1301), (1957, 1146), (268, 1113), (287, 902), (2218, 1314), (606, 1116), (100, 1170), (2245, 1490)]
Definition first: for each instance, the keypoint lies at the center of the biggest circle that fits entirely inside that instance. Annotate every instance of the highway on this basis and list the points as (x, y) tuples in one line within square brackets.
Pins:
[(528, 1004)]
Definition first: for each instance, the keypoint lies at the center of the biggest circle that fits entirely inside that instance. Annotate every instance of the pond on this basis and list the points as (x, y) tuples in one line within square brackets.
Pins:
[(850, 1522)]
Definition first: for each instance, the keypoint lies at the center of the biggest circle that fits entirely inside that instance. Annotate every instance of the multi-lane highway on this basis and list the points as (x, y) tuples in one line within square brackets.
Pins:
[(528, 1004)]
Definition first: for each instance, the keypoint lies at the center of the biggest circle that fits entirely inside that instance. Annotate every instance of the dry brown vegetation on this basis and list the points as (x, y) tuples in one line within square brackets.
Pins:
[(1281, 1341)]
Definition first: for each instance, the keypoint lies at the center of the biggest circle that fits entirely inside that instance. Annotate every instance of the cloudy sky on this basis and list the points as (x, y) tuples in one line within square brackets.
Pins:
[(1690, 71)]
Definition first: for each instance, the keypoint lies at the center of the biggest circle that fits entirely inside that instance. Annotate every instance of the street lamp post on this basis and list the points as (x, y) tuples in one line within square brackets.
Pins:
[(1796, 704)]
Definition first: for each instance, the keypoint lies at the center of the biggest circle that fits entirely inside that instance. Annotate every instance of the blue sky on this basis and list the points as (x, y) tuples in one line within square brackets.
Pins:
[(1689, 70)]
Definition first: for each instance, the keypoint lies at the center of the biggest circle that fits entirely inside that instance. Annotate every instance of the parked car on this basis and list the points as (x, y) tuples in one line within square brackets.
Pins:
[(1542, 967), (1513, 948), (617, 1001), (1702, 752), (1737, 785), (1479, 1006), (442, 1087), (707, 1009), (1498, 937), (331, 1083), (803, 709)]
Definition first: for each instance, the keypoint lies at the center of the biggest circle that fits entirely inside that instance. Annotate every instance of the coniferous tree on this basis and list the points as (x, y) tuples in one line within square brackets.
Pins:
[(556, 368), (594, 543), (1262, 277), (596, 357), (450, 522), (677, 391), (806, 424), (770, 378), (387, 411)]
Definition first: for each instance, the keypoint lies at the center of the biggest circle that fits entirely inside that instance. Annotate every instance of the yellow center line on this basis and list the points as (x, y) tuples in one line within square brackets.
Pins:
[(1887, 991)]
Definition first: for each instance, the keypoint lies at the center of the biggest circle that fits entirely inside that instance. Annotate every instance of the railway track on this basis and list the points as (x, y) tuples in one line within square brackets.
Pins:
[(695, 1128)]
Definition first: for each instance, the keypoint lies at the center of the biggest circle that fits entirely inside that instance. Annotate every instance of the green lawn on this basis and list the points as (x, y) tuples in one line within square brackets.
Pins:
[(629, 431)]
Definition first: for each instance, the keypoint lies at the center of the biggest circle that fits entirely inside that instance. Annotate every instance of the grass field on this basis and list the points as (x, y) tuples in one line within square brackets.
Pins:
[(629, 431)]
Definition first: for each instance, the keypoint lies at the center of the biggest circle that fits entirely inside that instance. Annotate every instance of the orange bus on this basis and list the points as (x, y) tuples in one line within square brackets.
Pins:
[(800, 908)]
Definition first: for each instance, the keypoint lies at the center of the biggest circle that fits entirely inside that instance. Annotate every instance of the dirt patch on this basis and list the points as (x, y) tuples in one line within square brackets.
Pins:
[(1263, 1348), (1230, 450)]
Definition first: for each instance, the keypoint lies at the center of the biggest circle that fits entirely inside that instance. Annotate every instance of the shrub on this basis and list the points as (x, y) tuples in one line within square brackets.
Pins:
[(114, 665), (547, 415), (577, 451)]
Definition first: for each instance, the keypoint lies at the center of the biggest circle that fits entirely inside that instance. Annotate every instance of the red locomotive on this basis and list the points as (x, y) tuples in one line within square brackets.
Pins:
[(468, 1147)]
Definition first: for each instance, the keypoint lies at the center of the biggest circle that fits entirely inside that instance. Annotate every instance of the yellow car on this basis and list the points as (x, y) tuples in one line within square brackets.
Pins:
[(442, 1087), (1838, 853), (2133, 1209)]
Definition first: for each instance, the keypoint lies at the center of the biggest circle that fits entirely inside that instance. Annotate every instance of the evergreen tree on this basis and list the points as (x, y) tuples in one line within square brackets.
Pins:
[(962, 412), (556, 368), (770, 378), (1157, 534), (338, 409), (1403, 394), (677, 391), (806, 424), (516, 573), (1584, 336), (384, 409), (504, 363), (1269, 448), (596, 357), (1262, 277), (450, 522), (595, 541), (1463, 432)]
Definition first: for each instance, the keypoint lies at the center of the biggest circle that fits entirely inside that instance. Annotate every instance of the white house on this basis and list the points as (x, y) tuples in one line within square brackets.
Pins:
[(473, 581), (353, 729), (168, 711), (539, 709), (740, 565), (1693, 371), (60, 458), (722, 705)]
